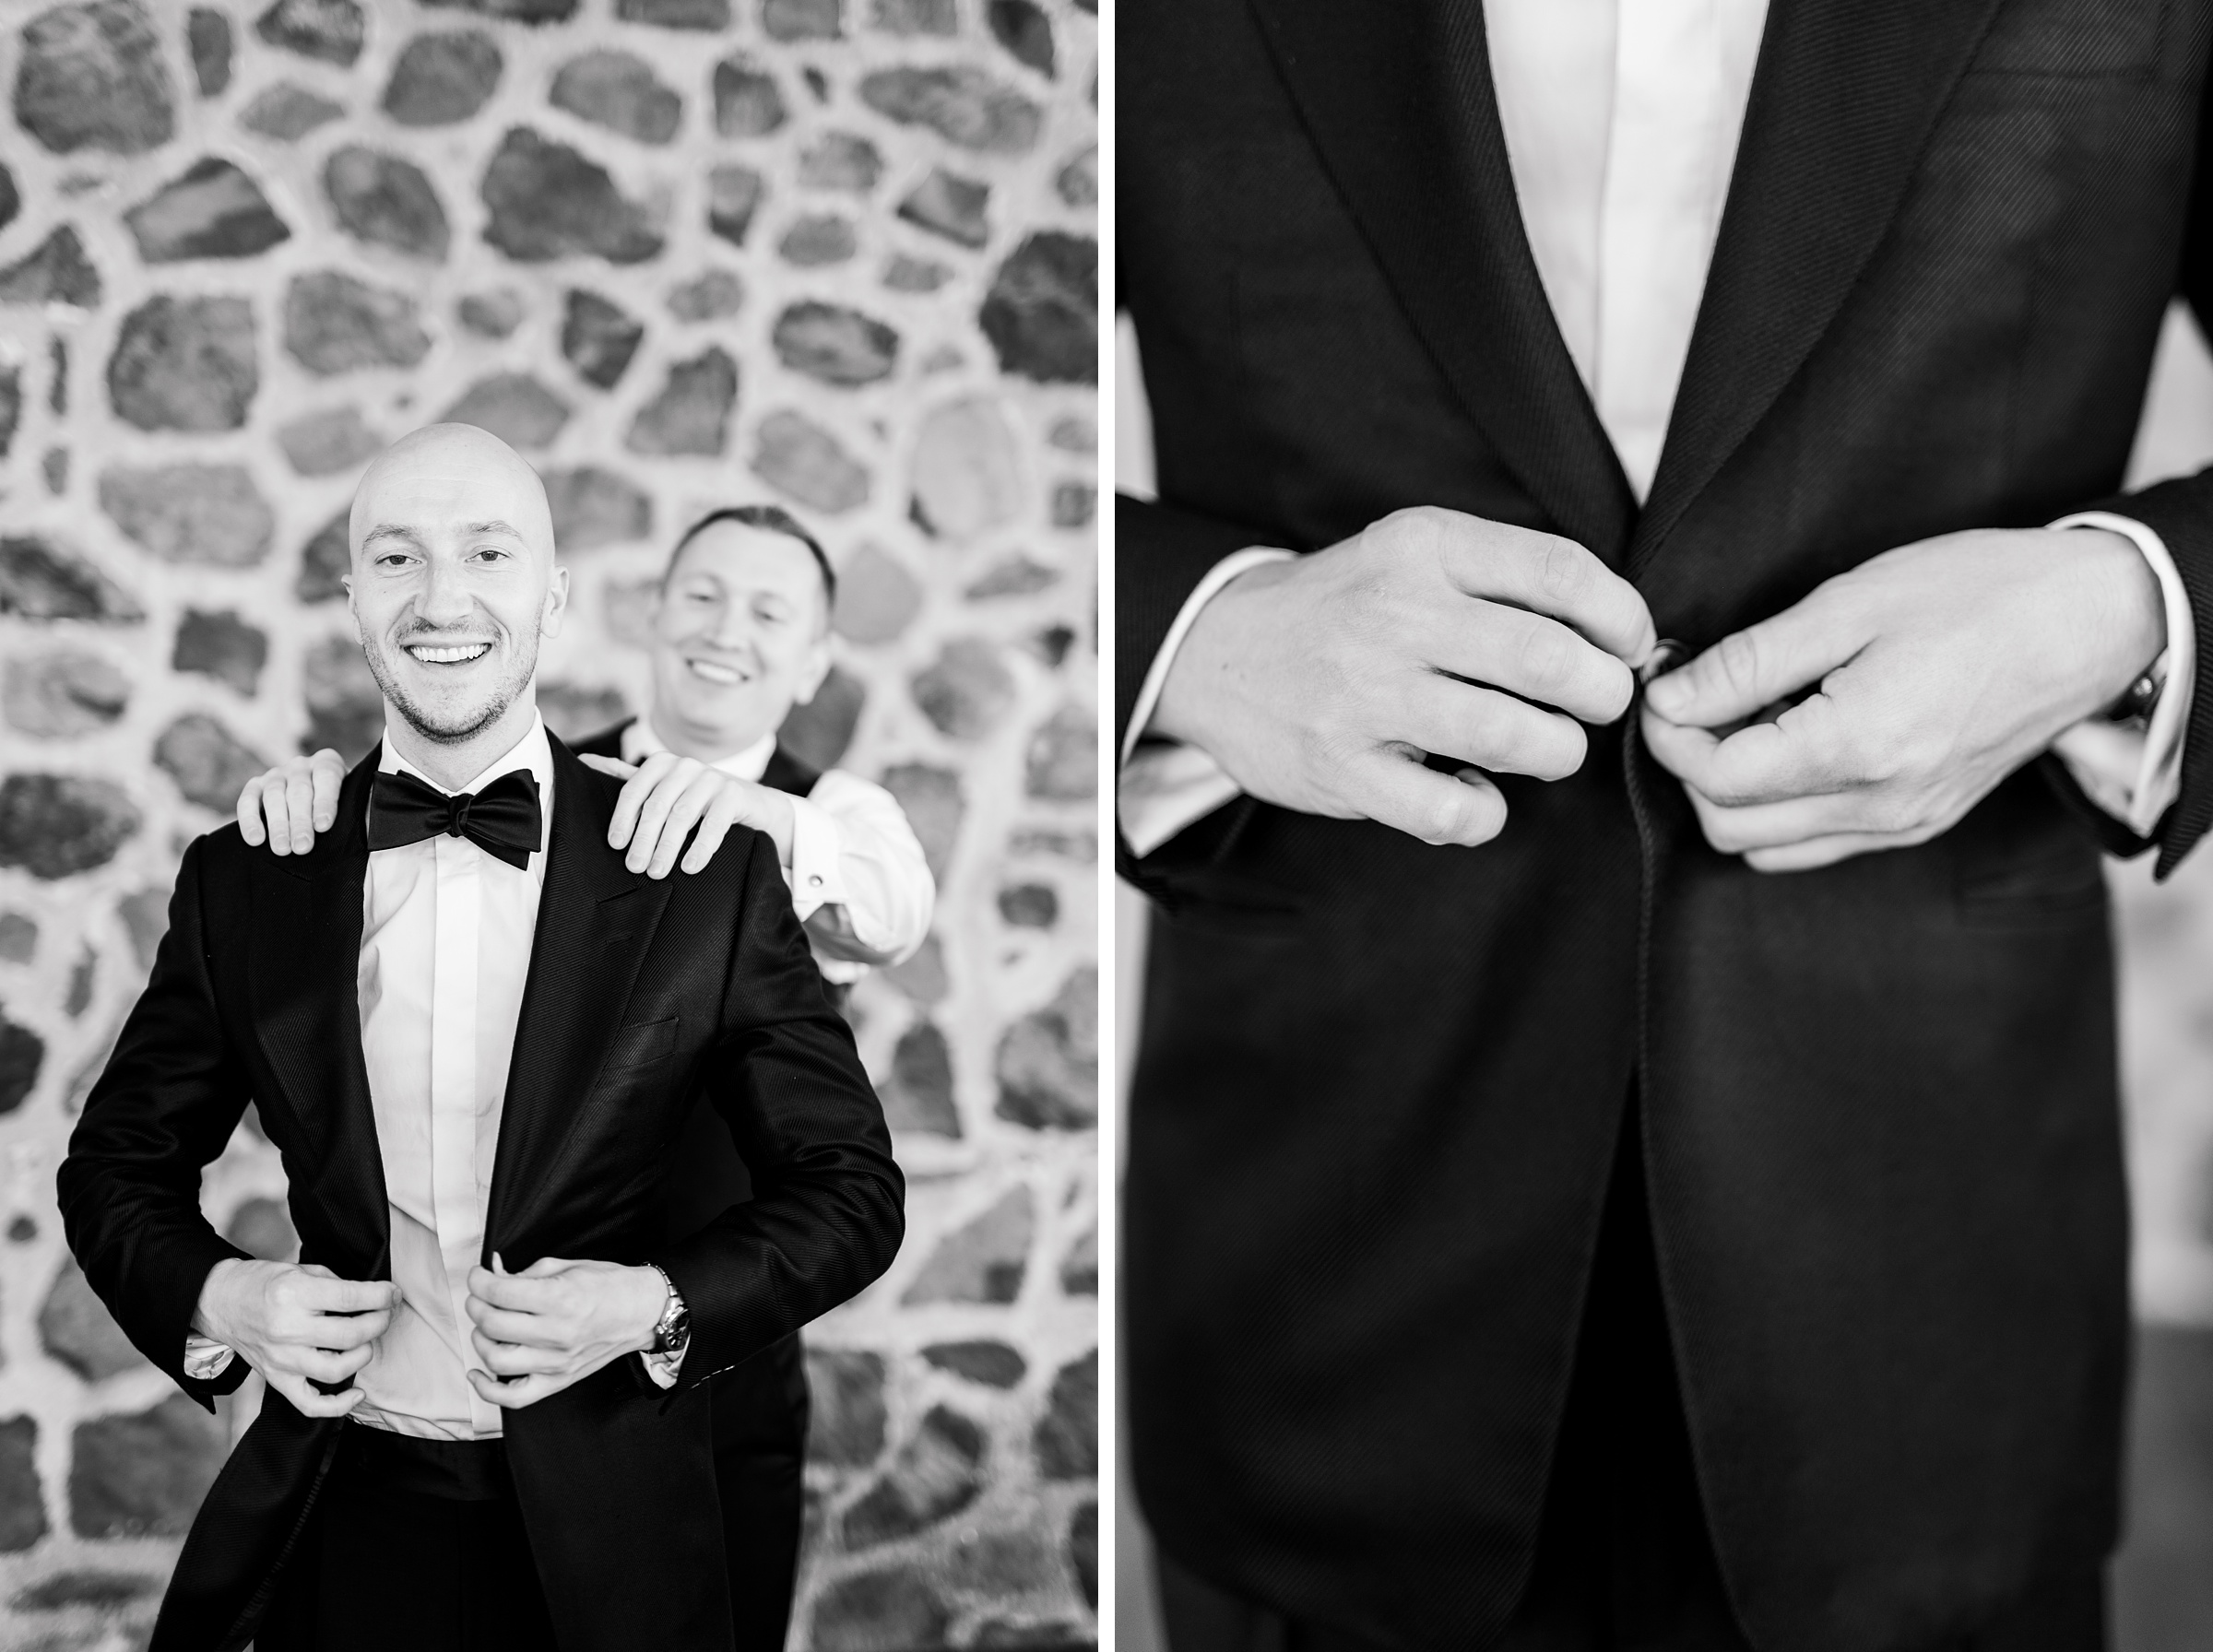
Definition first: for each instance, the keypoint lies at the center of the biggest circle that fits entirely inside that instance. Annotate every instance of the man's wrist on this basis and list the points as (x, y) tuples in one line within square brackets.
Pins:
[(1201, 660), (210, 1315), (2137, 610)]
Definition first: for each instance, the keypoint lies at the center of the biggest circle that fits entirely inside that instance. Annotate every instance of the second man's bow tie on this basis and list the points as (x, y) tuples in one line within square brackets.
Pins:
[(501, 819)]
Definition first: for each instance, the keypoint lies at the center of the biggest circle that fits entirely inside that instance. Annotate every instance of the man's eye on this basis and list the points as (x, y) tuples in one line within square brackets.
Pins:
[(489, 553)]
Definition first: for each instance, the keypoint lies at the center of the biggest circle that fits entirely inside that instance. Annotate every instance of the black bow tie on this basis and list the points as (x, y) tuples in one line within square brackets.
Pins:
[(501, 819)]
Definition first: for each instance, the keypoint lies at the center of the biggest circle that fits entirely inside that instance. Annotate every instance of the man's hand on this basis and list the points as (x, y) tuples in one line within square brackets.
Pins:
[(1321, 682), (557, 1322), (299, 797), (1942, 666), (291, 1322), (666, 796)]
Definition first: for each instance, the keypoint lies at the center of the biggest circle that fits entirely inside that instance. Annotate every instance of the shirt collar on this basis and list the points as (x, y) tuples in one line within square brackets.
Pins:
[(532, 752), (640, 742)]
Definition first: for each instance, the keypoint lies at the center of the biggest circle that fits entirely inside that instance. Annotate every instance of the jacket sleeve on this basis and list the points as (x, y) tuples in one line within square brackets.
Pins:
[(828, 1206), (165, 1105)]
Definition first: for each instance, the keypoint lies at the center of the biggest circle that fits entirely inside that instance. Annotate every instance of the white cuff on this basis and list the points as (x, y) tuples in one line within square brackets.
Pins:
[(816, 845), (2136, 776), (661, 1369), (1169, 786), (205, 1358)]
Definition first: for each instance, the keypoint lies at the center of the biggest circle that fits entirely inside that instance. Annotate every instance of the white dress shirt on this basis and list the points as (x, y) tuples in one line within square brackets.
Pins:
[(446, 938), (858, 879), (1621, 126)]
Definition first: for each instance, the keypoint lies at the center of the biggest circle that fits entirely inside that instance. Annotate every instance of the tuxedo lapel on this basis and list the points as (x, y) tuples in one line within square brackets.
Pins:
[(1398, 97), (595, 919), (303, 973), (1842, 102)]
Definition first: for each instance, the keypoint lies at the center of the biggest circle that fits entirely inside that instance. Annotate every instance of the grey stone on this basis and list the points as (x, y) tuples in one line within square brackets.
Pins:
[(619, 91), (914, 275), (491, 314), (1080, 1268), (748, 102), (834, 344), (146, 919), (212, 515), (513, 406), (11, 406), (1024, 30), (840, 160), (917, 1096), (1016, 576), (934, 806), (1062, 764), (207, 37), (937, 1473), (817, 240), (22, 1505), (41, 579), (691, 413), (1004, 1566), (983, 1260), (334, 323), (950, 206), (1078, 182), (598, 338), (922, 977), (967, 470), (323, 559), (1042, 311), (802, 19), (819, 732), (1029, 905), (19, 938), (22, 1052), (322, 443), (877, 597), (185, 364), (1047, 1065), (535, 13), (54, 466), (222, 645), (263, 1228), (960, 103), (891, 1611), (386, 202), (916, 16), (90, 77), (11, 199), (593, 507), (209, 764), (733, 197), (710, 14), (797, 457), (578, 711), (345, 709), (442, 79), (143, 1475), (711, 297), (54, 272), (326, 31), (994, 1365), (1034, 1637), (66, 692), (1050, 644), (1074, 435), (1074, 504), (547, 201), (967, 690), (1067, 1438), (845, 1425), (79, 994), (213, 211), (103, 1592), (21, 1230), (76, 1327), (289, 113), (56, 825)]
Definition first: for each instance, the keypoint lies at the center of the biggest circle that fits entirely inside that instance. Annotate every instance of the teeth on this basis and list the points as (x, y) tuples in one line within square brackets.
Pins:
[(714, 673), (452, 655)]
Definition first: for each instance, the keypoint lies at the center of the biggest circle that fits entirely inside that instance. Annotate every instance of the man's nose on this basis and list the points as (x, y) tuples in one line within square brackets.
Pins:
[(444, 598)]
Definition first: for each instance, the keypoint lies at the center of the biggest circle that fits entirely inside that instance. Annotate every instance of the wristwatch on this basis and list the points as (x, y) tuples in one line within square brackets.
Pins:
[(673, 1334)]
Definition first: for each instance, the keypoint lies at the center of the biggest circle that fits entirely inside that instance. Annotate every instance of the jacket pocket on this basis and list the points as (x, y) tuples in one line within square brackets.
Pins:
[(2061, 886), (640, 1043)]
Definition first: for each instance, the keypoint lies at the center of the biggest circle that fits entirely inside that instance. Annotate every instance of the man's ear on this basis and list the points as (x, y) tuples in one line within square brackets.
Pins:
[(808, 682), (557, 602)]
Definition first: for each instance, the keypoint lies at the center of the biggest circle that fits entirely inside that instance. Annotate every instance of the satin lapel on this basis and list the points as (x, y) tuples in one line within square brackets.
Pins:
[(1843, 100), (305, 970), (595, 919), (1398, 97)]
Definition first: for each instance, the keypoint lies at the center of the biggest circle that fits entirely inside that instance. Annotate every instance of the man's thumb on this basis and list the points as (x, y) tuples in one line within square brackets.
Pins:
[(1741, 674)]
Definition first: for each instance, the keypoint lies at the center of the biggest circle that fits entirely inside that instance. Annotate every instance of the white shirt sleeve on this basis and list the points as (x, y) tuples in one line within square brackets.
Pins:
[(662, 1369), (859, 881), (205, 1358), (2136, 775), (1167, 785)]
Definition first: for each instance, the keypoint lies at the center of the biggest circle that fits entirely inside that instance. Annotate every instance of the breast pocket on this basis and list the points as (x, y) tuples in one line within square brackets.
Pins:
[(2073, 39), (641, 1043)]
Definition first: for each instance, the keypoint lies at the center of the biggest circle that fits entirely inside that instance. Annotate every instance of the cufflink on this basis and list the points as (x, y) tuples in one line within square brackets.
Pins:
[(2137, 701)]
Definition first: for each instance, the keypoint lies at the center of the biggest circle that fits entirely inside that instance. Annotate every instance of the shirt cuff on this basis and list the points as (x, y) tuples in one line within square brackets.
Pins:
[(205, 1358), (662, 1369), (1168, 785), (816, 845), (2136, 776)]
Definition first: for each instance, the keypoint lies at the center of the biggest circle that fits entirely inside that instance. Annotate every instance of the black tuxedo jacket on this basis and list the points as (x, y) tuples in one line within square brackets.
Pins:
[(1379, 1081), (641, 996)]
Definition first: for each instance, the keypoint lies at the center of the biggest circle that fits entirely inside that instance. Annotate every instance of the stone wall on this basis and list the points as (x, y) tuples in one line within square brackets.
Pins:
[(835, 252)]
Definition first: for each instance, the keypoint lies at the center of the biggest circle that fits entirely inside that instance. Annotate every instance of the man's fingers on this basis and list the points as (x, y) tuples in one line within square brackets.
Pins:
[(714, 826), (1536, 657), (607, 766), (516, 1359), (632, 800), (1550, 575), (1751, 669), (517, 1291), (299, 808), (318, 1291), (690, 805), (1807, 751), (662, 789), (1395, 790), (503, 1325), (1827, 851), (1763, 826), (311, 1402), (1491, 730), (341, 1330), (329, 775), (512, 1396), (249, 813)]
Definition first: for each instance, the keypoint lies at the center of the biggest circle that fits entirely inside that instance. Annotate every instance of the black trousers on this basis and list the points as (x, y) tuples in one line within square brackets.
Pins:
[(1625, 1561), (760, 1413)]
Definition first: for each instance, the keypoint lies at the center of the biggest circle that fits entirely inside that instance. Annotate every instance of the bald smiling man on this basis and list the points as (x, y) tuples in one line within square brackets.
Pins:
[(476, 1036)]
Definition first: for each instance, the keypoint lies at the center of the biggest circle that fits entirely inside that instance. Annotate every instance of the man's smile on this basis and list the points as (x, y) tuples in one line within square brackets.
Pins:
[(719, 672), (447, 654)]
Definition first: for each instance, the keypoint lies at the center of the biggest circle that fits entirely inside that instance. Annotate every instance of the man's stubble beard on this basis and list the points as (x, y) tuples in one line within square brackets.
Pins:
[(420, 718)]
